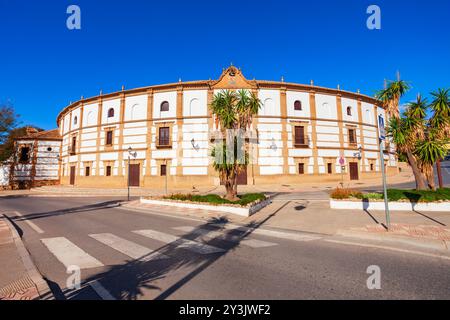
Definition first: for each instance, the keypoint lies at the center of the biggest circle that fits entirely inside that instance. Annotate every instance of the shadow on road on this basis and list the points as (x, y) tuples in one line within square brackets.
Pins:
[(129, 280), (84, 208)]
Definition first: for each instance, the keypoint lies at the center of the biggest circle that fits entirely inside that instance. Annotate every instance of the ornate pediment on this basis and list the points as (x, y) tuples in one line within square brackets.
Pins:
[(232, 78)]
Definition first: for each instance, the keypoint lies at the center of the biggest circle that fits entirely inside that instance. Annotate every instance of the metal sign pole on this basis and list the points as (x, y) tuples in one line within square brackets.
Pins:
[(382, 135)]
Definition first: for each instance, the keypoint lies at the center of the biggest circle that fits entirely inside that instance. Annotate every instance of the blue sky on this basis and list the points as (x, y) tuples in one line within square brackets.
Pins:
[(44, 66)]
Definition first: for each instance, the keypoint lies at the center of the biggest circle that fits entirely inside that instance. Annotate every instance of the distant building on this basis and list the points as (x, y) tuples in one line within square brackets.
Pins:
[(35, 161)]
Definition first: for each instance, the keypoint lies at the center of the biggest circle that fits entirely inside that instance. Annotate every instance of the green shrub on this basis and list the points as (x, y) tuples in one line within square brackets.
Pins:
[(345, 193), (396, 195), (245, 199)]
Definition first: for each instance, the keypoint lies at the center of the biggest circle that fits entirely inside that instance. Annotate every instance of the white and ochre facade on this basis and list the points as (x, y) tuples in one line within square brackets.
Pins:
[(302, 132)]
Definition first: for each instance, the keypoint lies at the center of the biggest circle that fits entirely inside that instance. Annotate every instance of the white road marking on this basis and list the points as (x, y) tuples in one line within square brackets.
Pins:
[(101, 291), (69, 254), (31, 224), (271, 233), (388, 248), (179, 242), (128, 248), (211, 234)]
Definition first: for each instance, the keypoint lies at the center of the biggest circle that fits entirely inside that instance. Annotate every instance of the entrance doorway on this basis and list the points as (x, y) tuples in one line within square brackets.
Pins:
[(242, 177), (354, 174), (72, 175), (135, 172)]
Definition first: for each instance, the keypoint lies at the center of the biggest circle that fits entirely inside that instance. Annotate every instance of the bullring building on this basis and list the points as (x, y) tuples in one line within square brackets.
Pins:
[(303, 133)]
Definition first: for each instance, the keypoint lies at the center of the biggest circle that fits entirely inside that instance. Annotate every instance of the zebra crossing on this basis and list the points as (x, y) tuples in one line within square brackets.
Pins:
[(69, 253)]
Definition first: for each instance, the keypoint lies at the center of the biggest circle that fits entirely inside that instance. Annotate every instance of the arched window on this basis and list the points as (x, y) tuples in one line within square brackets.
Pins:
[(298, 105), (111, 112), (349, 111), (164, 106), (75, 120), (90, 118), (268, 107), (194, 107), (134, 112)]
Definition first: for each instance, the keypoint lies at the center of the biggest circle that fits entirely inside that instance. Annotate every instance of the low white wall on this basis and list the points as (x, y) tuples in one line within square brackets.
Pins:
[(393, 206), (246, 212)]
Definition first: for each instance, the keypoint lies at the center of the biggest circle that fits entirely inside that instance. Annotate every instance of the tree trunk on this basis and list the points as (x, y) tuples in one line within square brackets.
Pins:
[(421, 183), (439, 173), (430, 178)]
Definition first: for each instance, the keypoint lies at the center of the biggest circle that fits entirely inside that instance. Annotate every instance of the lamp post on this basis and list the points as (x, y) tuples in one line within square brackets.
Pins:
[(130, 154)]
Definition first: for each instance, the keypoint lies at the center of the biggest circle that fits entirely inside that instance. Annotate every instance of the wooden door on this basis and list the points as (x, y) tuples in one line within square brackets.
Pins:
[(354, 171), (242, 177), (72, 175), (134, 175)]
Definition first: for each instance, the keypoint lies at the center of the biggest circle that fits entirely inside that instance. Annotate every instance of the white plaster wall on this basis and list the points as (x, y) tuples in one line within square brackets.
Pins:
[(160, 97), (271, 102), (195, 103), (136, 107), (90, 114), (368, 113), (353, 104), (303, 97), (326, 106), (76, 113), (108, 104)]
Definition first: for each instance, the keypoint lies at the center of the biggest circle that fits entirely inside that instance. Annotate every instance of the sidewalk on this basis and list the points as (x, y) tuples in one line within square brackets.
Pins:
[(19, 278), (53, 191)]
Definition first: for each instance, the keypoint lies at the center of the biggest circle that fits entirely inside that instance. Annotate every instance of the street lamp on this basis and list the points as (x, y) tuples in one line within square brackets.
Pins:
[(130, 154)]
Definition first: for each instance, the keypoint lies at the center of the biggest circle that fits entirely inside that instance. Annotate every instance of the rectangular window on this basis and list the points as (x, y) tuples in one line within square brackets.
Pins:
[(109, 138), (73, 147), (301, 168), (351, 136), (88, 171), (329, 167), (164, 136), (108, 171), (371, 167), (163, 170), (24, 155), (299, 136)]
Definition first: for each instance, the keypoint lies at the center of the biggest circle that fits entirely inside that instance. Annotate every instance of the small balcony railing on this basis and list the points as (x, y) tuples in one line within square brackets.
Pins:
[(301, 142), (163, 142)]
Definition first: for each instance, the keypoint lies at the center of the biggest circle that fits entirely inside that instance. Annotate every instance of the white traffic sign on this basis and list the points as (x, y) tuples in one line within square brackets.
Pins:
[(381, 128)]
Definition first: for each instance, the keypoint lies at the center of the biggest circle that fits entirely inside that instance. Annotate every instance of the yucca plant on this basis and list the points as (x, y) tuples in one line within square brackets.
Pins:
[(440, 121), (235, 111), (391, 95)]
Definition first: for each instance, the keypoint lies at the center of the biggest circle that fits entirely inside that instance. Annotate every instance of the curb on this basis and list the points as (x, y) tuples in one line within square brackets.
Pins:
[(441, 245), (34, 274)]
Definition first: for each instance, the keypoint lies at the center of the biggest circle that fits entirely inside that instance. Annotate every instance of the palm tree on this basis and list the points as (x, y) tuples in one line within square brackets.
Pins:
[(235, 111), (391, 95), (440, 121), (401, 131)]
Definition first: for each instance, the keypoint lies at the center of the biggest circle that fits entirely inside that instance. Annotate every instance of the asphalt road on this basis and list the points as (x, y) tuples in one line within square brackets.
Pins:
[(132, 255)]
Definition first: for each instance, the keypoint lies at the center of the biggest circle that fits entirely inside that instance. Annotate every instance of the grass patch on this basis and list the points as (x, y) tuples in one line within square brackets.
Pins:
[(395, 195), (215, 199)]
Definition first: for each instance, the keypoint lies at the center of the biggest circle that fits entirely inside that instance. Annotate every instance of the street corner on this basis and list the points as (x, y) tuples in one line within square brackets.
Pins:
[(420, 236)]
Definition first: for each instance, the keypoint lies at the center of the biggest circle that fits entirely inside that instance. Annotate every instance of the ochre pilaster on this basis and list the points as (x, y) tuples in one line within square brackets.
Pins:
[(284, 134), (179, 152), (148, 153), (121, 126), (312, 103), (361, 136), (99, 130)]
